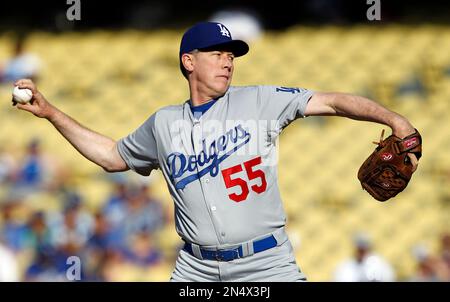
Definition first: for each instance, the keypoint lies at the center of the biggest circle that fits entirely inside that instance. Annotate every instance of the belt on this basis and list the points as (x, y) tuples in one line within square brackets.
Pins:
[(231, 254)]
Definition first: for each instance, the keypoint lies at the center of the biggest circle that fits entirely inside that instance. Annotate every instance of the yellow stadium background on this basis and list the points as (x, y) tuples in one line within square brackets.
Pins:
[(111, 81)]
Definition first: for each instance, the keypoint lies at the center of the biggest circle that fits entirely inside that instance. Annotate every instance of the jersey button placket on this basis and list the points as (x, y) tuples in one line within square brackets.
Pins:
[(197, 137)]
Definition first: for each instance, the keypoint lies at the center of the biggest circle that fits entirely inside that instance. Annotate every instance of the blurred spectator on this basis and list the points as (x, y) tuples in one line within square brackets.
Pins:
[(69, 232), (7, 166), (97, 247), (48, 265), (142, 211), (9, 271), (31, 173), (72, 229), (101, 237), (13, 231), (365, 265), (114, 208), (141, 251), (21, 65), (112, 266), (445, 249), (153, 206), (93, 264), (429, 268), (37, 172), (37, 233)]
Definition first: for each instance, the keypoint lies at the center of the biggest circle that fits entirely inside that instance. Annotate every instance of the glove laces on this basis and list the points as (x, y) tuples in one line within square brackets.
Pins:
[(381, 139)]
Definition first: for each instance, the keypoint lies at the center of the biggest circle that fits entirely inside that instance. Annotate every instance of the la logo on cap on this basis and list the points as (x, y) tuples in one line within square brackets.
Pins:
[(223, 30)]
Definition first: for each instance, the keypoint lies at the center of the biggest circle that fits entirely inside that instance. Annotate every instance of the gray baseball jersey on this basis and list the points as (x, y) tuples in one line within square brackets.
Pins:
[(220, 167)]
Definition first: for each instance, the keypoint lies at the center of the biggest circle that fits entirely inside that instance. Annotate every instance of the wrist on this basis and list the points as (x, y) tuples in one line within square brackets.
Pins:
[(51, 113), (401, 127)]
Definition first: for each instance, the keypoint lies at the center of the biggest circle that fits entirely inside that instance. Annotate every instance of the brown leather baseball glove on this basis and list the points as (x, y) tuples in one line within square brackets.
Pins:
[(387, 171)]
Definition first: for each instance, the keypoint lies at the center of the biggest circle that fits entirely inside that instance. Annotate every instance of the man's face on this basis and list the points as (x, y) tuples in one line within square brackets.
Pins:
[(212, 70)]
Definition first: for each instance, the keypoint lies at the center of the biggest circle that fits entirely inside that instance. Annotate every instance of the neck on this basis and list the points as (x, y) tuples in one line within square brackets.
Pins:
[(200, 100), (201, 96)]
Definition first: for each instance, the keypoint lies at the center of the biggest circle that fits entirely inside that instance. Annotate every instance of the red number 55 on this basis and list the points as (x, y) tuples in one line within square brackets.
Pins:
[(251, 174)]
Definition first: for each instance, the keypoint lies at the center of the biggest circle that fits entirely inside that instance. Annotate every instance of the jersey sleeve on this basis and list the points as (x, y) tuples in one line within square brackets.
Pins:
[(282, 105), (139, 149)]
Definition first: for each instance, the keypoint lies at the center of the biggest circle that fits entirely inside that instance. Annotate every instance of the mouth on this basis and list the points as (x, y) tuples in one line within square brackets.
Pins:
[(224, 76)]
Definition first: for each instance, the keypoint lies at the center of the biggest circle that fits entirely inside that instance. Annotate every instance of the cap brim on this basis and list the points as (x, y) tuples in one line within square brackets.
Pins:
[(237, 47)]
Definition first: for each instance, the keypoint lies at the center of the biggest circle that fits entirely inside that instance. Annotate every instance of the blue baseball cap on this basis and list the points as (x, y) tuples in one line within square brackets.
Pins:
[(206, 35)]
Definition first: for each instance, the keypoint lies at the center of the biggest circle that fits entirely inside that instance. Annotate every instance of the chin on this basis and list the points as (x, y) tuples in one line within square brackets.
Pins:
[(219, 91), (223, 87)]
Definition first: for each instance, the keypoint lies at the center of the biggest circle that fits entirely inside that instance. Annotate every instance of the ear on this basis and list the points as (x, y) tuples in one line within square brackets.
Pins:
[(187, 60)]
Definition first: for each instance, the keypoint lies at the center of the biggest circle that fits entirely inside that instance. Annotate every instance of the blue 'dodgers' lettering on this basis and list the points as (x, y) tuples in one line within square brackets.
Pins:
[(179, 164)]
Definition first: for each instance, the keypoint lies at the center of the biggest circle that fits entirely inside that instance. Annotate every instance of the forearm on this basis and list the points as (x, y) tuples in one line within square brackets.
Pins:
[(97, 148), (364, 109)]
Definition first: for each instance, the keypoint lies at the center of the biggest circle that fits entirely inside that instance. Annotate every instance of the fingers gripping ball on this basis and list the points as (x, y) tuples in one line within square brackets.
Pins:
[(22, 96)]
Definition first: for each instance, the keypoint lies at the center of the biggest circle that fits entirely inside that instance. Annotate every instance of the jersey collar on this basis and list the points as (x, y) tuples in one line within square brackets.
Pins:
[(195, 117)]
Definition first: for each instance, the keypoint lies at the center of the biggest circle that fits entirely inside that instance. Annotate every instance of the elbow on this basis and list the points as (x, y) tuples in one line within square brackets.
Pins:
[(115, 168), (113, 162), (109, 169)]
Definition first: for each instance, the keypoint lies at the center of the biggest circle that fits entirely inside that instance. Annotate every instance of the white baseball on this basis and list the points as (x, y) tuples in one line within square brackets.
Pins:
[(22, 96)]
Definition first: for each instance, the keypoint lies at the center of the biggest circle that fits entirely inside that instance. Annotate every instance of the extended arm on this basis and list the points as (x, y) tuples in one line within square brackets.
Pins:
[(97, 148), (359, 108)]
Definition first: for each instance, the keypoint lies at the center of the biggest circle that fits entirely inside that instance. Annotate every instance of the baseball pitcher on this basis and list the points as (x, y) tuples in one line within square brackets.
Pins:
[(216, 152)]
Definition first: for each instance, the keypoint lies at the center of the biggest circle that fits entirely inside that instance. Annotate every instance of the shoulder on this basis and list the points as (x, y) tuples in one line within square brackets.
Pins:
[(246, 93), (171, 109), (244, 89), (265, 90), (167, 113)]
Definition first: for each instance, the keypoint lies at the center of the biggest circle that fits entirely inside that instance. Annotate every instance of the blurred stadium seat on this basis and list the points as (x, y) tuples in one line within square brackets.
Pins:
[(112, 81)]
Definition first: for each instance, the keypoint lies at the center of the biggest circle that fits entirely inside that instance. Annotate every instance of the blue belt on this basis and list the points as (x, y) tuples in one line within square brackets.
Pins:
[(231, 254)]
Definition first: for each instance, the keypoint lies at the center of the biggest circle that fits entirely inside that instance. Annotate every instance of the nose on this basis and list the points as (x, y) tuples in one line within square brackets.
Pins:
[(227, 62)]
